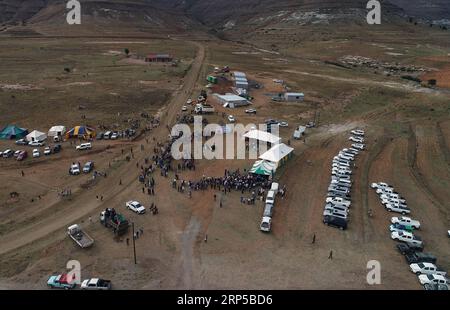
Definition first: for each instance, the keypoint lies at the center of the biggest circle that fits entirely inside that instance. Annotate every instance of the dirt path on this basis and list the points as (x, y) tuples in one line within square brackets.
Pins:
[(85, 203), (188, 239), (396, 85)]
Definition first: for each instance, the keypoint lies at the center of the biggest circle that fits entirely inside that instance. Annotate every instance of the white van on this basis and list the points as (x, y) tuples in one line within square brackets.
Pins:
[(270, 198), (275, 187), (266, 224)]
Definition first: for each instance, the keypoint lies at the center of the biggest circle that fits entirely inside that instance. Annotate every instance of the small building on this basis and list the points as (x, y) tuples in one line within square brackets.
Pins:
[(159, 58), (231, 100), (294, 96)]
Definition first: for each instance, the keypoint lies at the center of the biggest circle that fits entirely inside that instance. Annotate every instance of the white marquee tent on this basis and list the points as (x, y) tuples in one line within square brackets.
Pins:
[(56, 131), (36, 136), (262, 136), (277, 153)]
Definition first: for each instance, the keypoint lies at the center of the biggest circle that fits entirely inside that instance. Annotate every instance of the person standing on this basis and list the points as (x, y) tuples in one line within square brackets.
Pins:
[(331, 255), (313, 239)]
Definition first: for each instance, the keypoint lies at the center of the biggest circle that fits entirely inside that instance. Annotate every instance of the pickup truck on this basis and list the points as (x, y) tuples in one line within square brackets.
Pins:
[(432, 279), (406, 237), (204, 109), (60, 281), (418, 257), (426, 268), (397, 208), (117, 222), (96, 284), (398, 227), (406, 221), (406, 248), (79, 236)]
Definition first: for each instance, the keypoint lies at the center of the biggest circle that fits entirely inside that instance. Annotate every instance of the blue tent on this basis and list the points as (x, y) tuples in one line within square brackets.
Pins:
[(13, 132)]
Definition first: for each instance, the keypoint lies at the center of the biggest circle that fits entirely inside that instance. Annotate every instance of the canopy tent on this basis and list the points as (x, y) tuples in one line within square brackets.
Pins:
[(13, 132), (80, 132), (57, 131), (263, 167), (36, 136), (277, 154), (262, 136)]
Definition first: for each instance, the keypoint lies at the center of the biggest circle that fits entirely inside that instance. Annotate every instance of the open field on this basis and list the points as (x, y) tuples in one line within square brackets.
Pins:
[(408, 140)]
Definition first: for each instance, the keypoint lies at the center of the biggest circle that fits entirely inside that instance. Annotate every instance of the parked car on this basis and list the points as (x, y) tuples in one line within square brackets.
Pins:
[(16, 153), (114, 136), (107, 135), (406, 248), (357, 132), (60, 281), (96, 284), (231, 119), (336, 213), (21, 142), (22, 155), (36, 143), (266, 224), (406, 237), (406, 221), (335, 221), (250, 111), (135, 206), (380, 185), (395, 208), (338, 200), (47, 151), (57, 148), (84, 146), (419, 257), (184, 108), (36, 153), (435, 287), (426, 268), (358, 146), (356, 139), (74, 169), (432, 279), (8, 153), (399, 227), (270, 198), (88, 167), (284, 124)]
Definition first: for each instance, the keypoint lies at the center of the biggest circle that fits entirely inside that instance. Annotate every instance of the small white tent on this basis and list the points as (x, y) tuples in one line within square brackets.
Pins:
[(277, 153), (262, 136), (36, 136), (57, 131)]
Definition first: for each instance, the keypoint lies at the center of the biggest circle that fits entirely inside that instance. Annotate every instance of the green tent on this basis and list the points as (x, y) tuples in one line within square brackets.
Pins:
[(263, 167), (12, 132)]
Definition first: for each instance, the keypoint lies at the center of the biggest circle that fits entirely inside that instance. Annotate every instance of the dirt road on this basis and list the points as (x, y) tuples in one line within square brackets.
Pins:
[(68, 212)]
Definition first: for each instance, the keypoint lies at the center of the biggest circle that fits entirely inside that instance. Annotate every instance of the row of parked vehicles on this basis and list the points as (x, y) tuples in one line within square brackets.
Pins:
[(114, 135), (266, 222), (338, 201), (20, 155), (402, 229), (62, 281), (75, 168)]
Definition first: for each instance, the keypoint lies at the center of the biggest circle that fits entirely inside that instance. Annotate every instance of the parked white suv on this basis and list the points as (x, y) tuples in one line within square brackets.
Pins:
[(135, 207), (84, 146), (270, 199)]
